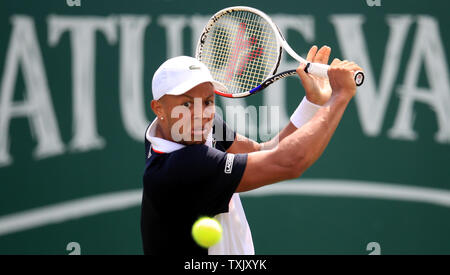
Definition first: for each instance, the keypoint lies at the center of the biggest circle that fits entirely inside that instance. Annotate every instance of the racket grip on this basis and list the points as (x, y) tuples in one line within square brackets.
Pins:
[(321, 70), (317, 69)]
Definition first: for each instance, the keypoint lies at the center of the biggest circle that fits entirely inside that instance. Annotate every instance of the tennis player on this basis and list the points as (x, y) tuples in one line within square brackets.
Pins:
[(197, 166)]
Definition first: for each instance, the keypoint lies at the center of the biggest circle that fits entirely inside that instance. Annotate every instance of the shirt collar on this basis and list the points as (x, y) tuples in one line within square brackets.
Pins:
[(161, 145)]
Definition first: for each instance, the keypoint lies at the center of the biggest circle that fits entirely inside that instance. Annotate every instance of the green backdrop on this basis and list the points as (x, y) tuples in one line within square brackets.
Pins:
[(74, 103)]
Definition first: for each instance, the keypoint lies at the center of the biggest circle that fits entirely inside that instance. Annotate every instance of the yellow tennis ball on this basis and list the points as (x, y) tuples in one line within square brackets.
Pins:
[(207, 232)]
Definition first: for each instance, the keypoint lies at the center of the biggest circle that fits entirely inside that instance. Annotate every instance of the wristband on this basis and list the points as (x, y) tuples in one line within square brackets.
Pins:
[(304, 112)]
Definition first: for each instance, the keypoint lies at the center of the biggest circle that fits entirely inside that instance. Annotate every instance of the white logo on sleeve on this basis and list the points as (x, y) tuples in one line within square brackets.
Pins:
[(229, 163)]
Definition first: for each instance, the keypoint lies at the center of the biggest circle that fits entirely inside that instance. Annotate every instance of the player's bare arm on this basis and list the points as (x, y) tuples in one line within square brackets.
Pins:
[(299, 150)]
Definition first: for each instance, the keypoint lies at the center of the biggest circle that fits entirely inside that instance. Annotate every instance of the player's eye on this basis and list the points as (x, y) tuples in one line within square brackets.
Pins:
[(209, 102), (187, 104)]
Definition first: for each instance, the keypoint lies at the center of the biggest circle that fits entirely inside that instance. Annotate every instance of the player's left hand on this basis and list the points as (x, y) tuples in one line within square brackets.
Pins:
[(318, 89)]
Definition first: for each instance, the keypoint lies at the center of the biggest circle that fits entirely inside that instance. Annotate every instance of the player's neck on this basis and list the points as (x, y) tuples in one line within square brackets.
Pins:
[(160, 133)]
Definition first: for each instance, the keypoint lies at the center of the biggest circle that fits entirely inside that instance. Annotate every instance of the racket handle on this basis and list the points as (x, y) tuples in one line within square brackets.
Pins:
[(321, 70), (317, 69)]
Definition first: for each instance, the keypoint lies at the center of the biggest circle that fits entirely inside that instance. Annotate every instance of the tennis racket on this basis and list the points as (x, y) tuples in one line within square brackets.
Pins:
[(242, 48)]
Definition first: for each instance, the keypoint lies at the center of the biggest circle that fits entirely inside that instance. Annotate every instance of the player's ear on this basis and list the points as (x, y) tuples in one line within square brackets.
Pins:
[(157, 108)]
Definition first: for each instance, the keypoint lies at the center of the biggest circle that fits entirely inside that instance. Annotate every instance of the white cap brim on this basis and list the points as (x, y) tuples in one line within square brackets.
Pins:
[(188, 85)]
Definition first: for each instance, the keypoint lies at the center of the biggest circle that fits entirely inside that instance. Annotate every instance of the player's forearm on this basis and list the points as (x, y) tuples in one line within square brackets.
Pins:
[(303, 147), (287, 131), (296, 152), (243, 145), (304, 112)]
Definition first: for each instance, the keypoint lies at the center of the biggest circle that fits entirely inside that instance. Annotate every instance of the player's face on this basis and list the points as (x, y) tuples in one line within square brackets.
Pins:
[(190, 116)]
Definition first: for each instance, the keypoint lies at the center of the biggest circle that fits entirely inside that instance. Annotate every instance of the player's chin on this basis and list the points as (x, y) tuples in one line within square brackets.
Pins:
[(193, 142)]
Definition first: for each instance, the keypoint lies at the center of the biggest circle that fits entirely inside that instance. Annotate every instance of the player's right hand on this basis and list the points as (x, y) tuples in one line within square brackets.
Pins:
[(341, 77)]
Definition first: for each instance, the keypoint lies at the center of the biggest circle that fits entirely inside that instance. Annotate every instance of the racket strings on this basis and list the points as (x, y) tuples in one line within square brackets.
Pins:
[(250, 78), (240, 50)]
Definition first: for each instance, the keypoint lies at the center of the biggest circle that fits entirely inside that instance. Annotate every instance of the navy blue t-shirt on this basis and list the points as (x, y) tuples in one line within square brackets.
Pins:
[(181, 186)]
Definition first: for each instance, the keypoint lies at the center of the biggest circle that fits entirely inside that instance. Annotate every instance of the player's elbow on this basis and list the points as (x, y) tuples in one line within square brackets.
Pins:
[(299, 168), (295, 164), (294, 173)]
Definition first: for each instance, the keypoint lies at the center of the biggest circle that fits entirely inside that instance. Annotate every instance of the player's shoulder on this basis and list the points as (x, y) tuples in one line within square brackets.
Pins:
[(193, 154)]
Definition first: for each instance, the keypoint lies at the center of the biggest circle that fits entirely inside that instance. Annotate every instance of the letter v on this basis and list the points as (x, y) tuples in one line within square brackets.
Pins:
[(371, 99)]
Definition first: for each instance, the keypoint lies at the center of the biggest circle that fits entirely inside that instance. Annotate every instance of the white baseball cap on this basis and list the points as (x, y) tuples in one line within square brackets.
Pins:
[(180, 74)]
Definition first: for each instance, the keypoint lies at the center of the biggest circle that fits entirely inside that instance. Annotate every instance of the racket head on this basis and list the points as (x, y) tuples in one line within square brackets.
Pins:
[(241, 47)]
